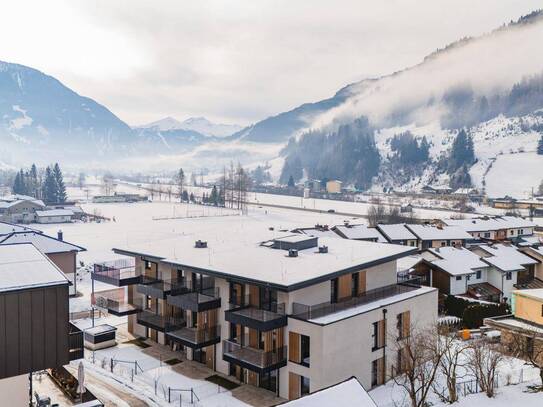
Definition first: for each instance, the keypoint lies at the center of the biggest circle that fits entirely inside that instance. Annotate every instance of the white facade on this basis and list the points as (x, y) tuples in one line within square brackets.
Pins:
[(14, 391)]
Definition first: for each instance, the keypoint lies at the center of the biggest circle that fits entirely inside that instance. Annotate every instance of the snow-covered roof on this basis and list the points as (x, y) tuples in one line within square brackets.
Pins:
[(457, 261), (407, 263), (44, 243), (317, 232), (534, 293), (359, 232), (431, 232), (54, 212), (7, 228), (235, 249), (488, 224), (347, 393), (23, 266), (507, 257), (396, 231)]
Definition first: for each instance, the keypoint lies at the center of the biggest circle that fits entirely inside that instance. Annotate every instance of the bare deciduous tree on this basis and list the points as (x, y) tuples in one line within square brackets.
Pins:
[(484, 359), (528, 346), (419, 357)]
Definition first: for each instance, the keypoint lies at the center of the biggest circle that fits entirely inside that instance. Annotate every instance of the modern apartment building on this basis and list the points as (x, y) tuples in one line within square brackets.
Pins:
[(287, 312), (34, 330)]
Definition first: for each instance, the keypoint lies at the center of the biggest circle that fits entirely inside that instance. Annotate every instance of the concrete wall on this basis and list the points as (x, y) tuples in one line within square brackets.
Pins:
[(381, 275), (14, 391), (344, 348)]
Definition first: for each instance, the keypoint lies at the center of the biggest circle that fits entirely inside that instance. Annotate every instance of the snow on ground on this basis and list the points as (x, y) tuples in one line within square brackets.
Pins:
[(515, 175)]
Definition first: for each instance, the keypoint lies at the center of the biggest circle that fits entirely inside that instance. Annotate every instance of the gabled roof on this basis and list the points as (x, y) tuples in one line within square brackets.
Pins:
[(490, 224), (506, 257), (431, 232), (396, 231), (23, 266), (7, 228), (347, 393), (44, 243), (457, 261), (359, 232)]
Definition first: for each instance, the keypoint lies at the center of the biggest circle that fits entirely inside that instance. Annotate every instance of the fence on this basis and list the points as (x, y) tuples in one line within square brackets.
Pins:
[(502, 379), (133, 372)]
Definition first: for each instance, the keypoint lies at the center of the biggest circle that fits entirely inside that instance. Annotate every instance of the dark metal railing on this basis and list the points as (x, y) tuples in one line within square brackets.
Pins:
[(116, 269), (117, 305), (308, 312), (249, 301), (182, 286), (253, 356), (160, 322), (196, 335)]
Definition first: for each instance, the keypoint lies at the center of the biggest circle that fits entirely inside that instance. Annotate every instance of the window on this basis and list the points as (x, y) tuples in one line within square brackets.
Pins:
[(378, 372), (411, 243), (333, 290), (468, 277), (304, 388), (542, 310), (478, 275), (443, 244), (487, 234), (521, 231), (147, 265), (508, 275), (458, 278), (512, 233), (305, 349), (354, 284), (378, 335)]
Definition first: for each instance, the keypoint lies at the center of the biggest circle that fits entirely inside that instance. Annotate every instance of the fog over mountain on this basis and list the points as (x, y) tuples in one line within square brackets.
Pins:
[(197, 124)]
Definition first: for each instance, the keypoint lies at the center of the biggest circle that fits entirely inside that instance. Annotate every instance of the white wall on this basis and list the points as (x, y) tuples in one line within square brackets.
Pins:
[(14, 391), (344, 348), (381, 275), (458, 287)]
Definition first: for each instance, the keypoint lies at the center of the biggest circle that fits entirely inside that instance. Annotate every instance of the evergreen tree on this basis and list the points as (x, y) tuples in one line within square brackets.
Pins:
[(214, 198), (291, 181), (540, 145), (191, 197), (60, 194), (33, 184), (49, 187), (461, 152), (18, 186), (185, 195)]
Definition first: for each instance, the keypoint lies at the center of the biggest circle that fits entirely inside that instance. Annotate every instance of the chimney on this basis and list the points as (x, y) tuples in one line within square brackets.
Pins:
[(200, 244), (60, 235), (292, 253)]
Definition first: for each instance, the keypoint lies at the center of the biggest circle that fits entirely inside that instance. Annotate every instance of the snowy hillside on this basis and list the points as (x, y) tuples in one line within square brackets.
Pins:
[(504, 147)]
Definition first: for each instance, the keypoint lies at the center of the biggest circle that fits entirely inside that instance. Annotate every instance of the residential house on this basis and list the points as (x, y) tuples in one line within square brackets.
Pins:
[(487, 273), (398, 234), (19, 208), (333, 186), (54, 216), (523, 329), (431, 236), (290, 313), (536, 252), (359, 232), (35, 333), (495, 228), (63, 254)]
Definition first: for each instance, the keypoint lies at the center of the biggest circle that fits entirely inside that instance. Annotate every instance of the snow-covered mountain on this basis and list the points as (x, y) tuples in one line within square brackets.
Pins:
[(197, 124)]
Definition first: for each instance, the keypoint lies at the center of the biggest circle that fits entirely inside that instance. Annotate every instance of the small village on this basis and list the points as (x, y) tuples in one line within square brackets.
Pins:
[(262, 304)]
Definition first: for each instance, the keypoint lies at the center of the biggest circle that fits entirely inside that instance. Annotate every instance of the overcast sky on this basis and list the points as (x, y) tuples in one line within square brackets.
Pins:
[(232, 61)]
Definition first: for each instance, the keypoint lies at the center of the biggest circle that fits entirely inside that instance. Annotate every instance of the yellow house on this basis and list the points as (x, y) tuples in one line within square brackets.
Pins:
[(333, 186), (528, 305)]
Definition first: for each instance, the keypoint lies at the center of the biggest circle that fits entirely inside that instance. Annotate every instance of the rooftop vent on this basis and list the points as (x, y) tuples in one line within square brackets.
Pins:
[(200, 244), (346, 223), (271, 228), (323, 249), (292, 253)]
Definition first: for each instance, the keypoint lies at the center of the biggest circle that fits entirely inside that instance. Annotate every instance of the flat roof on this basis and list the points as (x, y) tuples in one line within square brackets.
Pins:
[(23, 266), (347, 393), (235, 251), (358, 232), (44, 243), (534, 293)]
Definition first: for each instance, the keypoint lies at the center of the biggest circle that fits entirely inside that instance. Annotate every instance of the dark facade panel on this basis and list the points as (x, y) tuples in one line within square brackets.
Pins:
[(33, 330)]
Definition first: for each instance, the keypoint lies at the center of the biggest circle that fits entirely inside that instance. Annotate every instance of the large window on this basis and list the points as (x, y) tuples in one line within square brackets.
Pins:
[(333, 290), (268, 380), (304, 388), (378, 372), (305, 350), (403, 324), (354, 284), (378, 335)]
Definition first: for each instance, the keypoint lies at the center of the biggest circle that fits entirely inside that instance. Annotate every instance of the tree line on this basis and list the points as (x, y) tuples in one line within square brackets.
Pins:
[(45, 184)]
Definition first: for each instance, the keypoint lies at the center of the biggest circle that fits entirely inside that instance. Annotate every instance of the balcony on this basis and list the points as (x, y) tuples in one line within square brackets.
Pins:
[(159, 322), (155, 288), (309, 312), (253, 359), (195, 300), (75, 342), (119, 273), (116, 306), (256, 318), (196, 338)]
